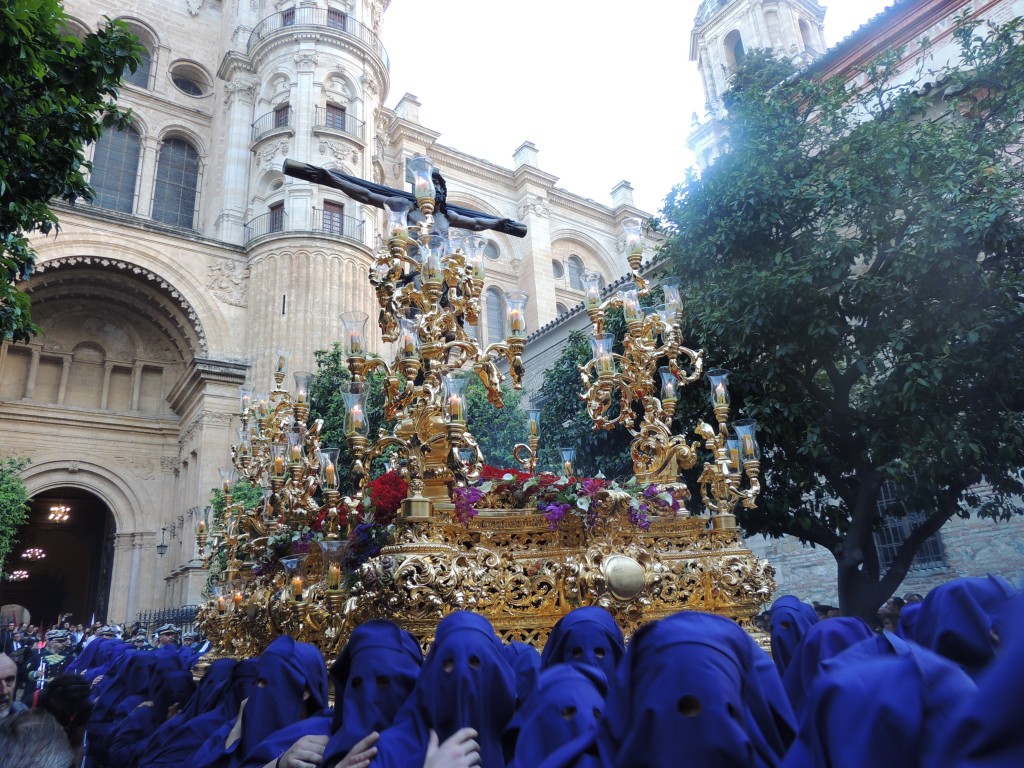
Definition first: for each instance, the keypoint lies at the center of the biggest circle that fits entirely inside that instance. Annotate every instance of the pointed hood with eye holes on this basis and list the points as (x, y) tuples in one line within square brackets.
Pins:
[(586, 635), (557, 723), (465, 682), (373, 677), (791, 618), (695, 687)]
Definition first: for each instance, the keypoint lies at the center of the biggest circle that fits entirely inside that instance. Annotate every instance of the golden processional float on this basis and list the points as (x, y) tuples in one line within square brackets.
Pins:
[(520, 548)]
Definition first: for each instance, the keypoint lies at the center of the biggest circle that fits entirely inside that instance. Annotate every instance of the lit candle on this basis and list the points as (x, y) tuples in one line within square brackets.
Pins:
[(355, 416), (302, 396), (282, 363), (567, 468), (748, 447), (734, 458), (333, 577), (720, 394), (455, 407), (409, 345), (278, 465), (329, 474), (201, 528), (604, 364), (226, 486), (297, 587), (516, 323), (245, 403), (670, 391), (355, 343), (263, 407), (237, 600), (221, 604), (296, 454), (533, 427)]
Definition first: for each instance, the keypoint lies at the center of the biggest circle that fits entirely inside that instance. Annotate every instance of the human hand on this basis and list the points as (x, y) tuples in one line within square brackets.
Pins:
[(361, 754), (458, 751), (307, 752)]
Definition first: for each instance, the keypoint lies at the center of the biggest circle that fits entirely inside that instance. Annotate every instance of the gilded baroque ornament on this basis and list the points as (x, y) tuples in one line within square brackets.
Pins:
[(523, 549)]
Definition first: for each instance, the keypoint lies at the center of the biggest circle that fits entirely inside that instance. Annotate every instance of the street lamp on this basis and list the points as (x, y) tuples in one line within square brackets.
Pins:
[(161, 548)]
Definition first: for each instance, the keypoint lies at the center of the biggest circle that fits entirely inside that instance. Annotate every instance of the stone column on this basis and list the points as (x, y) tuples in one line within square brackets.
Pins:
[(534, 210), (33, 372), (64, 371), (108, 367), (239, 97)]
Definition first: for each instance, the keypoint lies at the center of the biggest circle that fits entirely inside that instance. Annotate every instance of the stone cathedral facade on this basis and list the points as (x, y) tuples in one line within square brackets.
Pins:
[(198, 260)]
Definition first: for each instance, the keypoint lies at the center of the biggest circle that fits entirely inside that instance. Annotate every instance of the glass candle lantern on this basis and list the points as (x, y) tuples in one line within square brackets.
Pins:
[(433, 249), (746, 431), (244, 440), (732, 446), (279, 454), (473, 246), (245, 400), (718, 378), (295, 441), (422, 170), (356, 422), (515, 312), (601, 349), (568, 457), (281, 366), (302, 382), (455, 395), (262, 404), (227, 478), (398, 217), (329, 469), (354, 329), (673, 301), (631, 308), (533, 421), (634, 240), (669, 385), (592, 287), (408, 338), (333, 552)]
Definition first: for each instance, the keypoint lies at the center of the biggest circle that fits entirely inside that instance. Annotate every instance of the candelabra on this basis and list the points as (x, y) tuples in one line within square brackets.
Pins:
[(428, 283), (623, 389)]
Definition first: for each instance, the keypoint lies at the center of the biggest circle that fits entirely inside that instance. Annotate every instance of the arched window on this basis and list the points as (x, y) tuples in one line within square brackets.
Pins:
[(495, 315), (177, 183), (560, 309), (576, 272), (140, 77), (115, 169), (557, 269), (807, 37), (734, 51)]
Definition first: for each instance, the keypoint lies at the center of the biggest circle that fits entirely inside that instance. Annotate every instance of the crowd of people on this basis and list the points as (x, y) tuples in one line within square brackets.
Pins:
[(939, 686)]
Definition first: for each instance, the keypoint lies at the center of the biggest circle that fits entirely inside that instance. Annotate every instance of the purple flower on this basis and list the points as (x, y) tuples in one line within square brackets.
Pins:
[(466, 500), (554, 512), (591, 485)]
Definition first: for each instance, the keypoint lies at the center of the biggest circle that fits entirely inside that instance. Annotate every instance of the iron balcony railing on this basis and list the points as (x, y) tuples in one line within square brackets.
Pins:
[(323, 223), (339, 121), (325, 18), (279, 118), (275, 221), (333, 223)]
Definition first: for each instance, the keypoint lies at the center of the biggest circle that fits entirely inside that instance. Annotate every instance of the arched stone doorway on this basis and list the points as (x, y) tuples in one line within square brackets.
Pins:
[(74, 576)]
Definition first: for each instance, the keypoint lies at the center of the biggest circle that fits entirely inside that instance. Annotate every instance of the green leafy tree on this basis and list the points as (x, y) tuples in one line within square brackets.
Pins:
[(13, 505), (326, 402), (565, 422), (56, 95), (855, 261), (497, 430)]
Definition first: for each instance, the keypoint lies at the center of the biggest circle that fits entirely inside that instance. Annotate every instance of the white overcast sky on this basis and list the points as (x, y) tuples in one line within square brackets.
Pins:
[(604, 90)]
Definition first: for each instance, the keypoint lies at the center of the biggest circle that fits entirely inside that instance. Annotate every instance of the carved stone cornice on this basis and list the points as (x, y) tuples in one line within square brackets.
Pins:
[(201, 373)]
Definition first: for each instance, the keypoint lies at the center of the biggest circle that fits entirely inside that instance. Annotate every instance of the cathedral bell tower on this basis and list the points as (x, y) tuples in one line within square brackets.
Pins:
[(724, 30)]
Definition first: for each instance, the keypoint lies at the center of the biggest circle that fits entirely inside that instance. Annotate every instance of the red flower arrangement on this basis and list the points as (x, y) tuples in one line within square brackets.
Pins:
[(386, 494)]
